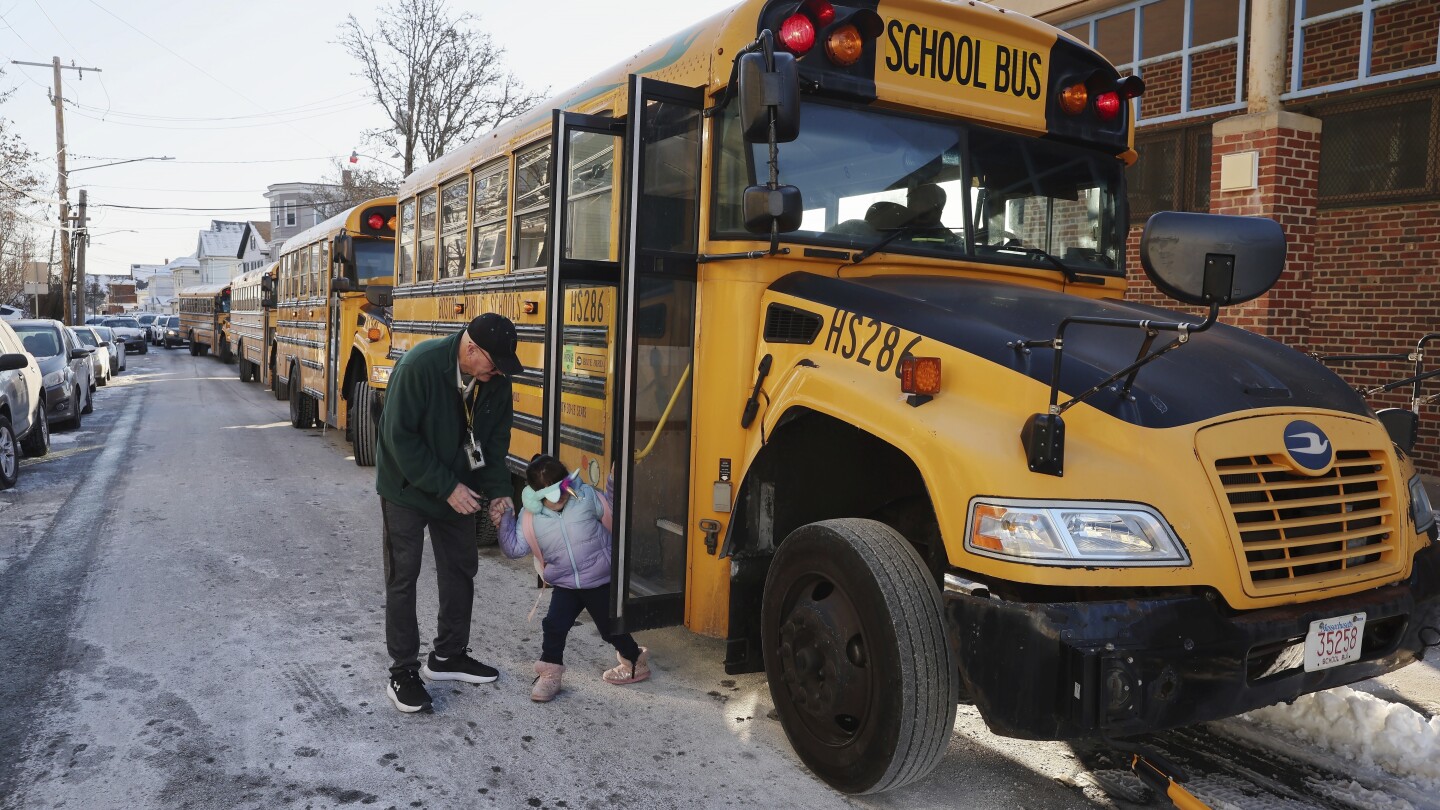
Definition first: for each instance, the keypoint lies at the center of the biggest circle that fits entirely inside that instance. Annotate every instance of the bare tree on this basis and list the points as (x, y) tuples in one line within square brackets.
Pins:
[(343, 188), (18, 209), (440, 79)]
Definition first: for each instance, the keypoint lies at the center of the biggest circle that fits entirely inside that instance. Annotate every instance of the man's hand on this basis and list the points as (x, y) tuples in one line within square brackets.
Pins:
[(498, 508), (464, 500)]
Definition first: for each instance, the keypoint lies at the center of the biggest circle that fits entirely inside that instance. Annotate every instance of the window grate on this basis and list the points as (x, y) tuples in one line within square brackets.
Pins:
[(1379, 151), (785, 324)]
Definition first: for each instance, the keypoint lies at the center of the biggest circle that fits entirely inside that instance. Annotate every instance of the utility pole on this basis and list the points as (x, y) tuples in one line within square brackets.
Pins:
[(82, 234), (59, 99)]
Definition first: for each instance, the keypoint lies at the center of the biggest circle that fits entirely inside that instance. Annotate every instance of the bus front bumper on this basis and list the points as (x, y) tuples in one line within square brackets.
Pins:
[(1068, 670)]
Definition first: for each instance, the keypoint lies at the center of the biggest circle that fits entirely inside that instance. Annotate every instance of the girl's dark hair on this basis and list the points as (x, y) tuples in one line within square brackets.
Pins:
[(544, 471)]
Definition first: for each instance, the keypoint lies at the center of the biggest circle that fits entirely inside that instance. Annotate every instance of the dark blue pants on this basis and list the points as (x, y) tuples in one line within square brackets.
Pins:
[(456, 561), (565, 607)]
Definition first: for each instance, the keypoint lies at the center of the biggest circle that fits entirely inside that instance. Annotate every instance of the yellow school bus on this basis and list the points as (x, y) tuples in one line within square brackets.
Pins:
[(332, 333), (837, 291), (205, 317), (252, 323)]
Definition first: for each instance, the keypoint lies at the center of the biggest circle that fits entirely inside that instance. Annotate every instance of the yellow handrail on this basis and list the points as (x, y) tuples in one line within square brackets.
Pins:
[(664, 417)]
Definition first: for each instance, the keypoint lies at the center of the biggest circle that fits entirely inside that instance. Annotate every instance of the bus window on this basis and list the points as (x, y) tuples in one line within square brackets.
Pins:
[(591, 199), (454, 205), (302, 272), (405, 244), (490, 191), (425, 258), (672, 176), (322, 266), (532, 197)]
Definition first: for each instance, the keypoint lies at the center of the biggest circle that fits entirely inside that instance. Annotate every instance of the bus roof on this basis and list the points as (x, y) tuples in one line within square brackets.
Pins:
[(204, 289), (332, 226), (700, 55)]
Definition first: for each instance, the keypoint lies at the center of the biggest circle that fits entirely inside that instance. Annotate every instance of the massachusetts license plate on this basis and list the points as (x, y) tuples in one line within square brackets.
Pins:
[(1332, 642)]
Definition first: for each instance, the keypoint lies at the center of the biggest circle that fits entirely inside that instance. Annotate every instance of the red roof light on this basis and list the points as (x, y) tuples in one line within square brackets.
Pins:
[(1107, 105), (797, 33), (375, 221)]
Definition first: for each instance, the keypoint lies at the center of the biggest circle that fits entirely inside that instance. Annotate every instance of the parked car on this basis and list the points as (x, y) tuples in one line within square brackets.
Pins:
[(129, 329), (156, 330), (117, 351), (10, 313), (23, 423), (145, 319), (65, 366), (103, 363), (172, 336)]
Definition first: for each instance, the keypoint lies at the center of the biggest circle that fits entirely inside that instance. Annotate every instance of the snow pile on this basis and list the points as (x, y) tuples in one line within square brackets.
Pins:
[(1361, 728)]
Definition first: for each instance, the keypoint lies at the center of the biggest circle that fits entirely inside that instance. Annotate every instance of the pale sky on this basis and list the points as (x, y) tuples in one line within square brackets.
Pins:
[(246, 95)]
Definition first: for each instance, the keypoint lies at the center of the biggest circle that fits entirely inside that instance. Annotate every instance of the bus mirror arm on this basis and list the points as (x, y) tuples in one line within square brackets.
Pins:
[(1043, 435)]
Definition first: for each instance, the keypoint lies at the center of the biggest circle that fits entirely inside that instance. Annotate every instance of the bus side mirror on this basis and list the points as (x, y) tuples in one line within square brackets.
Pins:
[(1212, 258), (341, 284), (765, 89), (343, 251), (378, 295), (778, 207)]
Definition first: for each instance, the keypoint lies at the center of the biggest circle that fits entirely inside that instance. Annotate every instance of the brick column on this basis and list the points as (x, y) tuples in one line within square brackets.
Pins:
[(1285, 150)]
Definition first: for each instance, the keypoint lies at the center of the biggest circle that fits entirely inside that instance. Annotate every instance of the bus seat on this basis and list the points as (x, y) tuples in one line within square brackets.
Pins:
[(887, 216)]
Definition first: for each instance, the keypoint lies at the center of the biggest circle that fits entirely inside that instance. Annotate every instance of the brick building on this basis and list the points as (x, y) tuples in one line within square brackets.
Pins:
[(1321, 114)]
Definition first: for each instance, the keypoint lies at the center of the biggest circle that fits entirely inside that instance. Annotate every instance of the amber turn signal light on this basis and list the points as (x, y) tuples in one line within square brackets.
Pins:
[(532, 307), (459, 307), (920, 375), (373, 335), (844, 46), (1074, 98)]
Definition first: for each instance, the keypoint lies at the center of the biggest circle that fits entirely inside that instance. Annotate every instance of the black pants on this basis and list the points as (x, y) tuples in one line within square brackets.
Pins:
[(565, 607), (456, 561)]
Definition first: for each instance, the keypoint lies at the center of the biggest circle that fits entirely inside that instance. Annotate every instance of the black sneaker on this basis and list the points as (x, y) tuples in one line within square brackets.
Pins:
[(407, 692), (457, 668)]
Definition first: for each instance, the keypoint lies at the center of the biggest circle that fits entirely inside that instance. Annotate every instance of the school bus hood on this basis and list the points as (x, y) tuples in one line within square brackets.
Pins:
[(1222, 370)]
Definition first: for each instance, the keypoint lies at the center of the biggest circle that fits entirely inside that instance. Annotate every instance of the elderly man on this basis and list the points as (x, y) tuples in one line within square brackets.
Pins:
[(444, 435)]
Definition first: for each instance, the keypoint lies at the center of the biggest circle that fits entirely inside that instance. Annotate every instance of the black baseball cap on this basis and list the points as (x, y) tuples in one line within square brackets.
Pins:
[(496, 335)]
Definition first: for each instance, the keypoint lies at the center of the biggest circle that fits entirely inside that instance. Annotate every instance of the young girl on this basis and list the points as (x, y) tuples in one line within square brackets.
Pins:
[(566, 524)]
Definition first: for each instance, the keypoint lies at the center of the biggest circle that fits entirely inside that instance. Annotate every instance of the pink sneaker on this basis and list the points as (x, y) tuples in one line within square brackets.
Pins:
[(547, 681), (625, 673)]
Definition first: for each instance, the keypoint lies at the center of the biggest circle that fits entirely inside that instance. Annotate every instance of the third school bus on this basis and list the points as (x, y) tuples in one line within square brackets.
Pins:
[(205, 317), (837, 290), (332, 324), (252, 323)]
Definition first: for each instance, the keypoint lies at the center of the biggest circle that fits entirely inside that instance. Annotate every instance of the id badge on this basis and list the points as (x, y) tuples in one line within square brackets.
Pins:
[(473, 454)]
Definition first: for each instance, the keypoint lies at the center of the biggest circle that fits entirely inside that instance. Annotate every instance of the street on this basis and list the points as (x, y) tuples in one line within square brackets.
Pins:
[(192, 616)]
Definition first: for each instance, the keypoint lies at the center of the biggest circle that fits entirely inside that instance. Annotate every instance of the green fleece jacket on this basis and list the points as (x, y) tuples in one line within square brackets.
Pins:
[(419, 457)]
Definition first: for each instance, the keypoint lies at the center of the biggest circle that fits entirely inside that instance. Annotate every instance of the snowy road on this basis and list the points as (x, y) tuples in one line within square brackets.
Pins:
[(190, 616)]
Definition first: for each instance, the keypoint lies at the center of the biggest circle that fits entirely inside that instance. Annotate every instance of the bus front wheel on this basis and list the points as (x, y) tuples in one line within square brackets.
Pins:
[(860, 670), (246, 372), (364, 422)]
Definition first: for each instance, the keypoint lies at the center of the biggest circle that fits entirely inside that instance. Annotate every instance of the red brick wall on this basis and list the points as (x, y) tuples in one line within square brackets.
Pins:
[(1404, 36), (1212, 78), (1332, 52), (1162, 89), (1377, 291)]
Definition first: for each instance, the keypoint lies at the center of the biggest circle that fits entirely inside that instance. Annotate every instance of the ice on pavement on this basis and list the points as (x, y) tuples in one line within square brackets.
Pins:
[(1363, 729)]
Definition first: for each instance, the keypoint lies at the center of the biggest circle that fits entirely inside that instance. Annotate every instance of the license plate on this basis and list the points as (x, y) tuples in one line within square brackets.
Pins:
[(1332, 642)]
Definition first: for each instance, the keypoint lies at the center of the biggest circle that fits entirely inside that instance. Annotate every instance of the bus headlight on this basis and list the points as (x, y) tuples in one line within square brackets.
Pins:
[(1072, 533), (1420, 510), (380, 374)]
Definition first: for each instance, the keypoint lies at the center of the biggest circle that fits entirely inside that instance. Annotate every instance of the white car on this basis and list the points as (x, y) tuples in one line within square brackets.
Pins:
[(24, 424), (130, 330), (103, 361)]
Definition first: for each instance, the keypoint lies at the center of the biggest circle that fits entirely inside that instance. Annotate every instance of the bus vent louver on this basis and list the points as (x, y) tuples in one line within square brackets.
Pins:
[(1300, 532), (790, 325)]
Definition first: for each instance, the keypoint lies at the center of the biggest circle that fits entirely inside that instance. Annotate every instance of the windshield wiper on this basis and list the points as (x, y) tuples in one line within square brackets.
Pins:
[(910, 228), (1040, 253)]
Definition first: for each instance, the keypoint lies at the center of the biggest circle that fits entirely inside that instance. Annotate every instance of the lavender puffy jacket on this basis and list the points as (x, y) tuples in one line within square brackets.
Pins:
[(575, 543)]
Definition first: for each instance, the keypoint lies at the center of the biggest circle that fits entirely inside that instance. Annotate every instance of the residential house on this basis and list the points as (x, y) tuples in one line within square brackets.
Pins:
[(292, 208), (218, 251), (254, 246)]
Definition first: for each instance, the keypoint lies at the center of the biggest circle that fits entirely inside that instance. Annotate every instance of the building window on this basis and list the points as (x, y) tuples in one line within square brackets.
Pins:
[(1380, 150), (1172, 174), (289, 213)]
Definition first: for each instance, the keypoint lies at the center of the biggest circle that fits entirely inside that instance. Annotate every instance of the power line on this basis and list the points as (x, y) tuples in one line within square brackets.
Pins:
[(314, 106), (225, 127)]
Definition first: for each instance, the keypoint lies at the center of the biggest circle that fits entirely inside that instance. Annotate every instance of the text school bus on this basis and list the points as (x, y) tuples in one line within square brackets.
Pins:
[(332, 335), (205, 317), (847, 319), (252, 323)]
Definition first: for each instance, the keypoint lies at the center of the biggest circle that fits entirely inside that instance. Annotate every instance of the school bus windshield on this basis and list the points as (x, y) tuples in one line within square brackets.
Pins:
[(870, 176), (374, 259)]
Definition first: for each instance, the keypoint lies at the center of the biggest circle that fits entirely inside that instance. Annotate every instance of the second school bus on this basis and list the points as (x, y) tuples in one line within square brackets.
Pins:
[(205, 317), (252, 323), (332, 322), (837, 290)]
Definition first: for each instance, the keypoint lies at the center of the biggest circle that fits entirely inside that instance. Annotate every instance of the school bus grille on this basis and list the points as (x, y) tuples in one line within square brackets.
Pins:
[(1299, 532)]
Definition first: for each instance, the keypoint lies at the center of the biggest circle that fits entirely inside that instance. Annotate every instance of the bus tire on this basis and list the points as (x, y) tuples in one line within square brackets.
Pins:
[(857, 656), (281, 389), (363, 423), (194, 347), (302, 407), (245, 374), (222, 350)]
